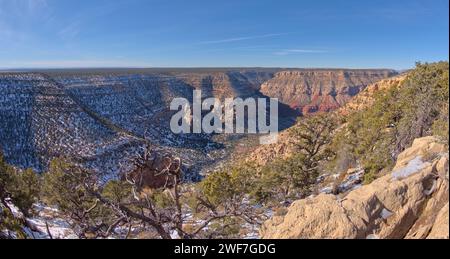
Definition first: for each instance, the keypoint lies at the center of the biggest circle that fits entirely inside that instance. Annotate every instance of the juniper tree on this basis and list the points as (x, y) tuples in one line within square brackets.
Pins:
[(418, 107), (292, 177), (18, 189), (117, 208)]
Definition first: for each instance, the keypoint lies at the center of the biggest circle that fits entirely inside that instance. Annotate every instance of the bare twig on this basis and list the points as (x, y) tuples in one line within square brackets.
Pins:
[(48, 230)]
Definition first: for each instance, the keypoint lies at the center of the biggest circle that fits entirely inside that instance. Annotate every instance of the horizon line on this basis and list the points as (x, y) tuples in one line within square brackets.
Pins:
[(197, 67)]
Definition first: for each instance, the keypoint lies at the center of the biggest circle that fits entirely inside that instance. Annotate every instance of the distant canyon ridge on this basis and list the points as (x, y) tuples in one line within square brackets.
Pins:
[(103, 117), (311, 91)]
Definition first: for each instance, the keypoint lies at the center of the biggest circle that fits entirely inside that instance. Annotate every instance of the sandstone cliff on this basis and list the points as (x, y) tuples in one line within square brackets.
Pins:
[(284, 147), (411, 202), (320, 90)]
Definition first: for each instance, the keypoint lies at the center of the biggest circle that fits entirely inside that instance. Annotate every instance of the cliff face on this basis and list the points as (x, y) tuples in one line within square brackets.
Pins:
[(226, 84), (311, 91), (410, 202), (98, 120), (101, 118), (284, 147)]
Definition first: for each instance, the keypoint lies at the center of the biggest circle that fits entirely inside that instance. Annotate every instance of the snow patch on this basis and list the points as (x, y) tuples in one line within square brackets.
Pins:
[(352, 181), (432, 189), (327, 190), (385, 214), (373, 236), (414, 166), (58, 227)]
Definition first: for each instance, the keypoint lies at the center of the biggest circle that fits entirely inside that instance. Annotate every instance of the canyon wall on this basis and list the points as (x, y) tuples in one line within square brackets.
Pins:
[(320, 90), (102, 118)]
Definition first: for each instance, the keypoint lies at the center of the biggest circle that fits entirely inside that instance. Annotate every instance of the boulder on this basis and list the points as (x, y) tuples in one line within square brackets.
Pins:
[(411, 202), (440, 227)]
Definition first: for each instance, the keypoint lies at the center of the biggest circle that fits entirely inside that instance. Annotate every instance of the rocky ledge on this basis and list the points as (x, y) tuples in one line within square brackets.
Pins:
[(411, 202)]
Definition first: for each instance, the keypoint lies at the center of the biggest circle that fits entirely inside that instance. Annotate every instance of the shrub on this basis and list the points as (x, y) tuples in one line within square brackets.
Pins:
[(285, 179), (418, 107), (22, 189)]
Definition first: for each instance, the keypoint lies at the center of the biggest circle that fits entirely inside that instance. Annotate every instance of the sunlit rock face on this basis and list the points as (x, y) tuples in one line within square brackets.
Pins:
[(320, 90), (411, 202)]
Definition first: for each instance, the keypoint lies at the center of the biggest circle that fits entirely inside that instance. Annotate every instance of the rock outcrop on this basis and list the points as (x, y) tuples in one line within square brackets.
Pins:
[(282, 149), (367, 97), (411, 202), (227, 84), (320, 90)]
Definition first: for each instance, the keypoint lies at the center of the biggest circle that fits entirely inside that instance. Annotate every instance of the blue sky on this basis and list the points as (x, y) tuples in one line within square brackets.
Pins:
[(200, 33)]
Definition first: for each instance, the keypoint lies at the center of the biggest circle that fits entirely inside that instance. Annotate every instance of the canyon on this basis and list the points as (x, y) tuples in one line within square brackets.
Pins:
[(102, 118), (284, 147)]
